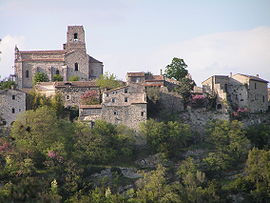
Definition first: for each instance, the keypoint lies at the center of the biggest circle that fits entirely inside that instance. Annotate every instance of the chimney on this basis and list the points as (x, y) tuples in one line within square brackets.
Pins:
[(230, 74), (160, 71), (257, 75)]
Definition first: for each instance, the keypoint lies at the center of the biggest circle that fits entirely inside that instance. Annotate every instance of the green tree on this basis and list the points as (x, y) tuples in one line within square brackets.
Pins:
[(258, 173), (57, 77), (7, 84), (153, 187), (259, 135), (108, 81), (168, 137), (230, 144), (41, 131), (74, 78), (40, 77), (178, 71)]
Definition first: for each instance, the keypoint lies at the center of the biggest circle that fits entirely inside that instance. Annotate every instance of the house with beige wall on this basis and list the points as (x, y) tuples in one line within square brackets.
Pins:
[(239, 91)]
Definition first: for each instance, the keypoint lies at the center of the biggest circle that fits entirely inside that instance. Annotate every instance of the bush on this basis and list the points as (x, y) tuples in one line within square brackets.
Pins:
[(57, 77), (40, 77), (74, 78)]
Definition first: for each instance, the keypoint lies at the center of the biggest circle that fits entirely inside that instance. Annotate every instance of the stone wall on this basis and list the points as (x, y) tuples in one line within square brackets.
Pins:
[(12, 103)]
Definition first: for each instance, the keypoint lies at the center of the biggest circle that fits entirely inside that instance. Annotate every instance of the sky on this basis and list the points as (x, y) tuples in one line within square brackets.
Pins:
[(212, 36)]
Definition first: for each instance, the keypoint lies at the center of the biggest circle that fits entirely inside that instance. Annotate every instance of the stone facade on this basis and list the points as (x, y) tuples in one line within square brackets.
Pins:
[(12, 103), (125, 105), (71, 61), (71, 92), (240, 91)]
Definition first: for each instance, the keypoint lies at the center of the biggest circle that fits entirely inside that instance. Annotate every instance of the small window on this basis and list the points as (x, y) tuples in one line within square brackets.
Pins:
[(126, 99), (115, 113), (255, 85), (57, 72), (13, 110), (241, 99), (107, 94), (76, 66), (27, 74), (219, 106), (67, 97), (13, 97), (75, 36), (113, 100), (126, 90), (142, 113)]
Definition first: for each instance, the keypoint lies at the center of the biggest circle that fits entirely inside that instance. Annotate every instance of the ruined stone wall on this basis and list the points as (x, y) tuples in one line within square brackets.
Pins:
[(12, 103), (171, 102)]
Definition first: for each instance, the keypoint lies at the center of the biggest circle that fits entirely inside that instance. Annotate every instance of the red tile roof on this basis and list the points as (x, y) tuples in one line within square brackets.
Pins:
[(46, 60), (76, 84), (141, 74), (153, 85)]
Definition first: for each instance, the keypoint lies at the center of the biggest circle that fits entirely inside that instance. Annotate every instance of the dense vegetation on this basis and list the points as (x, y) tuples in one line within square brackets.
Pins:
[(47, 158)]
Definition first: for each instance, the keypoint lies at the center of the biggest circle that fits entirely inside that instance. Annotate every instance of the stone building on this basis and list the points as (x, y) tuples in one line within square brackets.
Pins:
[(12, 103), (71, 92), (239, 90), (71, 61), (125, 105)]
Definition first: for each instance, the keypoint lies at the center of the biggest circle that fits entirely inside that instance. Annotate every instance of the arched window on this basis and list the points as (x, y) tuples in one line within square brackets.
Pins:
[(76, 66), (219, 106), (27, 73), (57, 72), (75, 36)]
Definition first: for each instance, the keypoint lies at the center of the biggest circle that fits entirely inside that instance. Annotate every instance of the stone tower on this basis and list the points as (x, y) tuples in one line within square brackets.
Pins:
[(75, 38)]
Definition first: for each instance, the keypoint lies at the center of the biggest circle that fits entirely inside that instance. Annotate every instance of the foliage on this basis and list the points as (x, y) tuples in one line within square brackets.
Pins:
[(229, 142), (74, 78), (90, 97), (105, 143), (41, 131), (40, 77), (166, 137), (259, 135), (177, 69), (57, 77), (153, 94), (36, 100), (108, 81), (7, 84)]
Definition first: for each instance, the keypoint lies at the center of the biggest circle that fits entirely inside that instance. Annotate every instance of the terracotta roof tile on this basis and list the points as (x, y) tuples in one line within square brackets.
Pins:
[(46, 60), (136, 74), (76, 84)]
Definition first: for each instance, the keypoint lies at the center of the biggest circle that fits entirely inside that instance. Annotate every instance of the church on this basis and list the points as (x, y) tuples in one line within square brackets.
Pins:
[(72, 60)]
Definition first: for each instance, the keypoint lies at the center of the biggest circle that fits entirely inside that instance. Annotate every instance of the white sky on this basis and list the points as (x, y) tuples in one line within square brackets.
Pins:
[(213, 37)]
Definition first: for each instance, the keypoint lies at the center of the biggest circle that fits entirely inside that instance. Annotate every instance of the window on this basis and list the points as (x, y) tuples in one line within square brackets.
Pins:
[(142, 113), (67, 97), (219, 106), (126, 90), (13, 110), (226, 88), (27, 74), (75, 36), (115, 113), (255, 85), (57, 72), (113, 100), (13, 97), (126, 99), (76, 66)]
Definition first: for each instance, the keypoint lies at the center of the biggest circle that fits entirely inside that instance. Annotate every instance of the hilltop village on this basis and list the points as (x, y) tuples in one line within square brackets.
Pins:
[(129, 103), (72, 132)]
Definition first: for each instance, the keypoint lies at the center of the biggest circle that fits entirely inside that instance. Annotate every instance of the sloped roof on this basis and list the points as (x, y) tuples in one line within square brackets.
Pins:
[(93, 60), (252, 77), (43, 52), (76, 84), (141, 74)]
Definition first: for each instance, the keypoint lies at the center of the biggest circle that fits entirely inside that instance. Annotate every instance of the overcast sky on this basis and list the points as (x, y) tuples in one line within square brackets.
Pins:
[(212, 36)]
